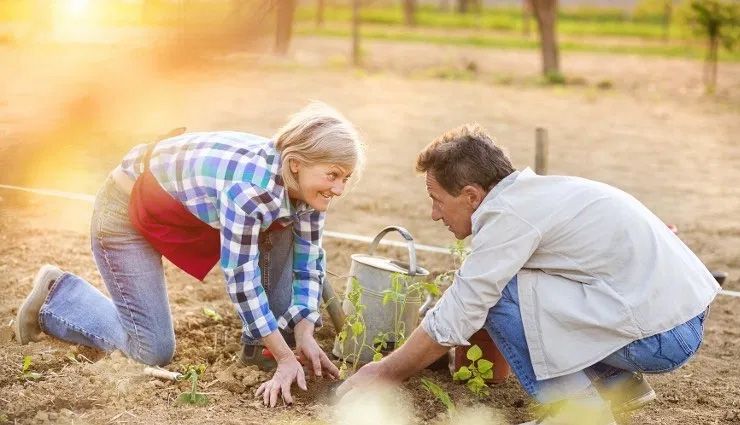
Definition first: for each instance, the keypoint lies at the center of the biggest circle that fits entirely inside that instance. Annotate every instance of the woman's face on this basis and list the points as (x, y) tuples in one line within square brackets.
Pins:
[(318, 183)]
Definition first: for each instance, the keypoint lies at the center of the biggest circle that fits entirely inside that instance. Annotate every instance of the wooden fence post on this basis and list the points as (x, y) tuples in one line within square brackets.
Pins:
[(540, 156)]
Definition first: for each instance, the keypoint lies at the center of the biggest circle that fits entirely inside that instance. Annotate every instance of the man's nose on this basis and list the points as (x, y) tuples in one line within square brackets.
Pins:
[(436, 215)]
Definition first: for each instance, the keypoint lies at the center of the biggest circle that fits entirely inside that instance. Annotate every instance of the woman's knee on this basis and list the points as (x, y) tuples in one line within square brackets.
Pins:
[(159, 353)]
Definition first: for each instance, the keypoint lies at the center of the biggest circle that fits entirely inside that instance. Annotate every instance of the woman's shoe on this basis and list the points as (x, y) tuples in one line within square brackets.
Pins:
[(27, 326)]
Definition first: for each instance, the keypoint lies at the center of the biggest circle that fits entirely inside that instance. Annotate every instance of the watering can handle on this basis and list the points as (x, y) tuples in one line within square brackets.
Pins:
[(410, 241)]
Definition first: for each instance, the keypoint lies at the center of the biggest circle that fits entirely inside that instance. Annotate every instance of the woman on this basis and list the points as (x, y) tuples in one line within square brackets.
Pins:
[(256, 205)]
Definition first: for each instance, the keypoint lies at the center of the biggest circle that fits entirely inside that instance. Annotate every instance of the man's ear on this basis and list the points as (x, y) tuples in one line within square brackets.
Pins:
[(474, 195)]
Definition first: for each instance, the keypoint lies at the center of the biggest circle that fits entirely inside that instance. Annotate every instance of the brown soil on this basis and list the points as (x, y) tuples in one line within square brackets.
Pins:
[(68, 116)]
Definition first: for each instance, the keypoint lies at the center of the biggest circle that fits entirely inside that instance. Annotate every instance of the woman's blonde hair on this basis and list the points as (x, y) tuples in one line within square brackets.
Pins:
[(319, 134)]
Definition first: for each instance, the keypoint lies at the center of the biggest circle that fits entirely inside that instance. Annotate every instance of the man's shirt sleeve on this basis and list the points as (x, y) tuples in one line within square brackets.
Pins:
[(501, 245)]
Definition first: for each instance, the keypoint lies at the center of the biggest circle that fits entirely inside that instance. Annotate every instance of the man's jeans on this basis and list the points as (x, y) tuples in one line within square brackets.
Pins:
[(136, 318), (656, 354)]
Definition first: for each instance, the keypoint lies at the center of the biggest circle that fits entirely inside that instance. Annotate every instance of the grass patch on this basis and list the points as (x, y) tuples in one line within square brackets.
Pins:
[(571, 21), (503, 41)]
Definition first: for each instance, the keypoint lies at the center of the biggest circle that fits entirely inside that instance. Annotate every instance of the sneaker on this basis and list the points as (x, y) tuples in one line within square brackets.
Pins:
[(257, 355), (572, 413), (631, 394), (27, 326)]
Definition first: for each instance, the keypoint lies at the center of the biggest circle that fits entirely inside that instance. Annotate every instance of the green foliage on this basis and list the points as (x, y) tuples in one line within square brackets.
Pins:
[(26, 373), (354, 328), (716, 19), (475, 374), (212, 314), (402, 288), (192, 373), (440, 394)]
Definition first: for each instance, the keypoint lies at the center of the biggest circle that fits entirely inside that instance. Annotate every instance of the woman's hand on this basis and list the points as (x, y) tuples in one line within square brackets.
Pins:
[(309, 352), (288, 370)]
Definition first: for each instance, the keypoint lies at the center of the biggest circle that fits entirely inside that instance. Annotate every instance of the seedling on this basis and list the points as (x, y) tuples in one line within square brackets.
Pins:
[(26, 373), (212, 314), (475, 374), (402, 288), (192, 373), (440, 394), (354, 327)]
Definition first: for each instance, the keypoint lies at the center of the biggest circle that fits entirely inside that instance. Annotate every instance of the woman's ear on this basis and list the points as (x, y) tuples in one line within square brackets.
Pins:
[(294, 165)]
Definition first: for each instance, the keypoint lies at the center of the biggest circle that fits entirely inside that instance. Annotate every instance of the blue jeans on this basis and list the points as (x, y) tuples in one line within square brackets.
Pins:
[(659, 353), (136, 318)]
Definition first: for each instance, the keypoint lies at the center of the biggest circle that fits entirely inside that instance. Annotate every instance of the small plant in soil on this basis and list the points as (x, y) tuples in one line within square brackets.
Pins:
[(212, 314), (475, 374), (26, 373), (440, 394), (354, 327), (192, 373), (402, 288)]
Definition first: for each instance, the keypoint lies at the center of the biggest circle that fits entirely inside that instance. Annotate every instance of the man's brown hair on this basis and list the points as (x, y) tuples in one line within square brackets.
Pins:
[(464, 156)]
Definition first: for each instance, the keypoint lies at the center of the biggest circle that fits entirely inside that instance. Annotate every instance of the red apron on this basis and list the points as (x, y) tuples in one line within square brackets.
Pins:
[(177, 234)]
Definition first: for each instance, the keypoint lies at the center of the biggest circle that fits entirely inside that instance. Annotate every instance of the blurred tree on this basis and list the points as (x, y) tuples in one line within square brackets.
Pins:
[(526, 17), (719, 22), (285, 14), (546, 12), (356, 54), (409, 12), (320, 5), (463, 6), (654, 10)]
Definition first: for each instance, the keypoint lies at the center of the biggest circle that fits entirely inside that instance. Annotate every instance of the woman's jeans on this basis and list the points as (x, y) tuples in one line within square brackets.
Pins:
[(659, 353), (136, 318)]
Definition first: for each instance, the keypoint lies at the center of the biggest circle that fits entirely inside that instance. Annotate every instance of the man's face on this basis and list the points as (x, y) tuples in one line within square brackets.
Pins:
[(454, 211)]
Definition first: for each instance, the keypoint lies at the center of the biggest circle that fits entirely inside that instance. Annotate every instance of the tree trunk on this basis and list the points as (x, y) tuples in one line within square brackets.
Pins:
[(710, 66), (356, 55), (667, 17), (320, 6), (462, 6), (409, 12), (526, 17), (285, 12), (546, 13)]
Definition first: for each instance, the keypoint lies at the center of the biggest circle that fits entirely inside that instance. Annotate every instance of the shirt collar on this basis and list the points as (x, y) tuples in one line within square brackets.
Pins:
[(502, 185)]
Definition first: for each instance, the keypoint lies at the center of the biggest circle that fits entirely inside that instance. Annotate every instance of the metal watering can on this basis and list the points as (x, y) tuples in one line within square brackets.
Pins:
[(374, 276)]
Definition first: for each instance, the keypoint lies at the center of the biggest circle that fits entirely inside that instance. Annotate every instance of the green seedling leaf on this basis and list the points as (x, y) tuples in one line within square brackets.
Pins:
[(484, 365), (26, 364), (71, 357), (440, 394), (474, 353), (358, 328), (487, 374), (212, 314), (377, 356), (463, 374)]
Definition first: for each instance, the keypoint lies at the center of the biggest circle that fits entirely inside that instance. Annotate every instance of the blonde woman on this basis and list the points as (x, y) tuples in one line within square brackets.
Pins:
[(255, 205)]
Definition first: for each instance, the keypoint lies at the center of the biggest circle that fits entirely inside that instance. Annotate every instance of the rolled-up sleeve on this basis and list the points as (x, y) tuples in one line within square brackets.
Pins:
[(502, 243)]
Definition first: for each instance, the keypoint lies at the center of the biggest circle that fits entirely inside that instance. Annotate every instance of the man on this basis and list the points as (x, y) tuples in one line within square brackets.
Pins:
[(580, 286)]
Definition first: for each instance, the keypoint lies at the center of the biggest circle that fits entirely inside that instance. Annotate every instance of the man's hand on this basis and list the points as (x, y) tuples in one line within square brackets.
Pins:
[(309, 352), (288, 370), (371, 374)]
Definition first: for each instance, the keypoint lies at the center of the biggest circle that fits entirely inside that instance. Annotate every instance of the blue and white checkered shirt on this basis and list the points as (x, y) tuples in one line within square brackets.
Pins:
[(232, 182)]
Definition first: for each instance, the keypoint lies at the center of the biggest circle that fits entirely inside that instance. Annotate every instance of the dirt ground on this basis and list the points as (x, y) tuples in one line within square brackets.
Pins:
[(67, 115)]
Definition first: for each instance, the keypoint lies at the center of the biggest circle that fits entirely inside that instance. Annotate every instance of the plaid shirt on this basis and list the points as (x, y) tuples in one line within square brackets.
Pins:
[(232, 182)]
